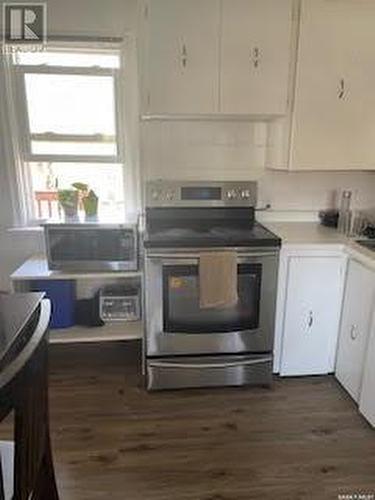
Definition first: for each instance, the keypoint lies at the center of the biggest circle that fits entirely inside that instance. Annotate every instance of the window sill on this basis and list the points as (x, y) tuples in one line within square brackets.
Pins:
[(25, 230)]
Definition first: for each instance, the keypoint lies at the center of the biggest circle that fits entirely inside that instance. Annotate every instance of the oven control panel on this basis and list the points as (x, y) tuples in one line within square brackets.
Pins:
[(238, 194), (208, 193)]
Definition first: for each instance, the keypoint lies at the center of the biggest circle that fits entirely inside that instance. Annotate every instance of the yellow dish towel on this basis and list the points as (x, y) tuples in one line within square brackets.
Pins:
[(218, 279)]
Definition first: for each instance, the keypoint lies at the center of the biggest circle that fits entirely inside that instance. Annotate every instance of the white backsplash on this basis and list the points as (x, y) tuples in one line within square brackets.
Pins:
[(315, 190), (225, 150), (203, 150)]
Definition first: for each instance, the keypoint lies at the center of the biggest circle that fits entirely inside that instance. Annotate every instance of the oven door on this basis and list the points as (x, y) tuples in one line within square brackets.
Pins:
[(177, 326)]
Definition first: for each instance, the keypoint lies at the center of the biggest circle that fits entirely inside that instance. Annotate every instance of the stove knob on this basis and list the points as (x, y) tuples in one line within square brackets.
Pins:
[(231, 194), (169, 195), (245, 194)]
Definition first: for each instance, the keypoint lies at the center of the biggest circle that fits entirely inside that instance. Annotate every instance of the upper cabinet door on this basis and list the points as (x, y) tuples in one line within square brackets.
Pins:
[(255, 56), (333, 122), (182, 54)]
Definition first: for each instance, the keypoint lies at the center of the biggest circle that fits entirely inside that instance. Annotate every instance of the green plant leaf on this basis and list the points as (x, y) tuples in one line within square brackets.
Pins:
[(81, 186)]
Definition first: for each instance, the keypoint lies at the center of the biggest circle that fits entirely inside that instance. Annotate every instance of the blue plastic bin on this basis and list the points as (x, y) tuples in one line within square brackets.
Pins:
[(62, 294)]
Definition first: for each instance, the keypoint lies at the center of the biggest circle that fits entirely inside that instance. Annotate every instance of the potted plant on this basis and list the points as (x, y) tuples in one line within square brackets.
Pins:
[(89, 200), (68, 199), (90, 205)]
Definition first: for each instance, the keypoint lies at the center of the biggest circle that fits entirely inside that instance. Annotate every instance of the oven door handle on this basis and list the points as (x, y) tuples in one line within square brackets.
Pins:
[(228, 364)]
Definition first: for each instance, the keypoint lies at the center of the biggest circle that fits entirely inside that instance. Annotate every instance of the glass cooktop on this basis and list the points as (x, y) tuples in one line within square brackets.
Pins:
[(215, 236)]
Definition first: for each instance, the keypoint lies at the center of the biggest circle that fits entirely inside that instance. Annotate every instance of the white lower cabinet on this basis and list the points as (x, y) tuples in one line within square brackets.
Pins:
[(325, 320), (367, 398), (309, 307), (355, 326)]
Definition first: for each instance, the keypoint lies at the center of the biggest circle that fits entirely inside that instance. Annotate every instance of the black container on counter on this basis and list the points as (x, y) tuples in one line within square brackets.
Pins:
[(329, 218)]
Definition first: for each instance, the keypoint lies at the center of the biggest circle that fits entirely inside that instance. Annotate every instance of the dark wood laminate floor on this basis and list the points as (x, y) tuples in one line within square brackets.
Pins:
[(112, 440)]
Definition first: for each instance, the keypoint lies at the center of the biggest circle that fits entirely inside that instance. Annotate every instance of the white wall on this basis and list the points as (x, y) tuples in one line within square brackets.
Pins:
[(210, 149), (89, 17), (14, 248), (205, 150), (312, 191)]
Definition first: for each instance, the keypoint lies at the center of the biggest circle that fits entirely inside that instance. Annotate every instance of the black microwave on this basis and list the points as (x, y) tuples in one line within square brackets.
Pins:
[(92, 247)]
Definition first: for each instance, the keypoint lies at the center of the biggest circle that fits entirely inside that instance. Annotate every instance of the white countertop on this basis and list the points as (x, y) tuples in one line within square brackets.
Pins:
[(306, 232), (312, 233)]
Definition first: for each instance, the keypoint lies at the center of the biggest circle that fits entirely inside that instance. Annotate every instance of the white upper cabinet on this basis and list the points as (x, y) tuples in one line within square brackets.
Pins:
[(333, 120), (355, 325), (204, 57), (181, 56), (311, 315), (255, 56)]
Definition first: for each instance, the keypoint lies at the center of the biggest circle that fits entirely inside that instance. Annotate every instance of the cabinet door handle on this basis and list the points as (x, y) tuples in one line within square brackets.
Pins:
[(310, 321), (341, 93), (353, 332), (184, 56), (256, 57)]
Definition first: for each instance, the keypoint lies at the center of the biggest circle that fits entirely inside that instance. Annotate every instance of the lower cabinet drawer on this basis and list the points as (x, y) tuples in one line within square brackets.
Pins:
[(208, 371)]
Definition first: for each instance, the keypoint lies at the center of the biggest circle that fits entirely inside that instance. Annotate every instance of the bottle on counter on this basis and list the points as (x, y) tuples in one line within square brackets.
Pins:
[(345, 213)]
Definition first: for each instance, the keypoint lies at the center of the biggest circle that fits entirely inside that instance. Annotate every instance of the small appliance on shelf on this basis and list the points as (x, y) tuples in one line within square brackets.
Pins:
[(119, 303), (94, 246)]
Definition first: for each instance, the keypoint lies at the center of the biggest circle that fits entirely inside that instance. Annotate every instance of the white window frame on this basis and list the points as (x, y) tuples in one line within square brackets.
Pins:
[(18, 84), (127, 134)]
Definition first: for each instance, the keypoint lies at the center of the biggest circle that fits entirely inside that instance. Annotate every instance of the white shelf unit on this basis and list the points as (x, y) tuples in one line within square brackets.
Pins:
[(109, 333), (36, 268)]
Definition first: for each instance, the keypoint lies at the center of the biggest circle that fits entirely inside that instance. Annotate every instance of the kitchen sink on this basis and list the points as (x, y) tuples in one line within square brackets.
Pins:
[(370, 244)]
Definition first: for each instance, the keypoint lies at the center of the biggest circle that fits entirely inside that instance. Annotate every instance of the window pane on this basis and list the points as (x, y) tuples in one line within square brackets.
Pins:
[(82, 60), (70, 104), (105, 179), (74, 148)]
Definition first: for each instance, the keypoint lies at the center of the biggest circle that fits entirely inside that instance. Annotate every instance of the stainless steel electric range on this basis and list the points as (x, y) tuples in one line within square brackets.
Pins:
[(187, 346)]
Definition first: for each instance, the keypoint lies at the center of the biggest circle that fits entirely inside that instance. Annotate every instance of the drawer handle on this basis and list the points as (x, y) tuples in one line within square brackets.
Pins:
[(199, 366), (353, 332)]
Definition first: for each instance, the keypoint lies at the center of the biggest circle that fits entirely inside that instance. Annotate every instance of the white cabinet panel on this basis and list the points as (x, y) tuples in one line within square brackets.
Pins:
[(355, 324), (367, 399), (215, 56), (182, 54), (255, 55), (333, 121), (311, 315)]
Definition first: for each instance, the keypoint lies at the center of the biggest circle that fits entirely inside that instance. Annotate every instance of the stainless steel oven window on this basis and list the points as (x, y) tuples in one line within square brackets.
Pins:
[(181, 310), (162, 343)]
